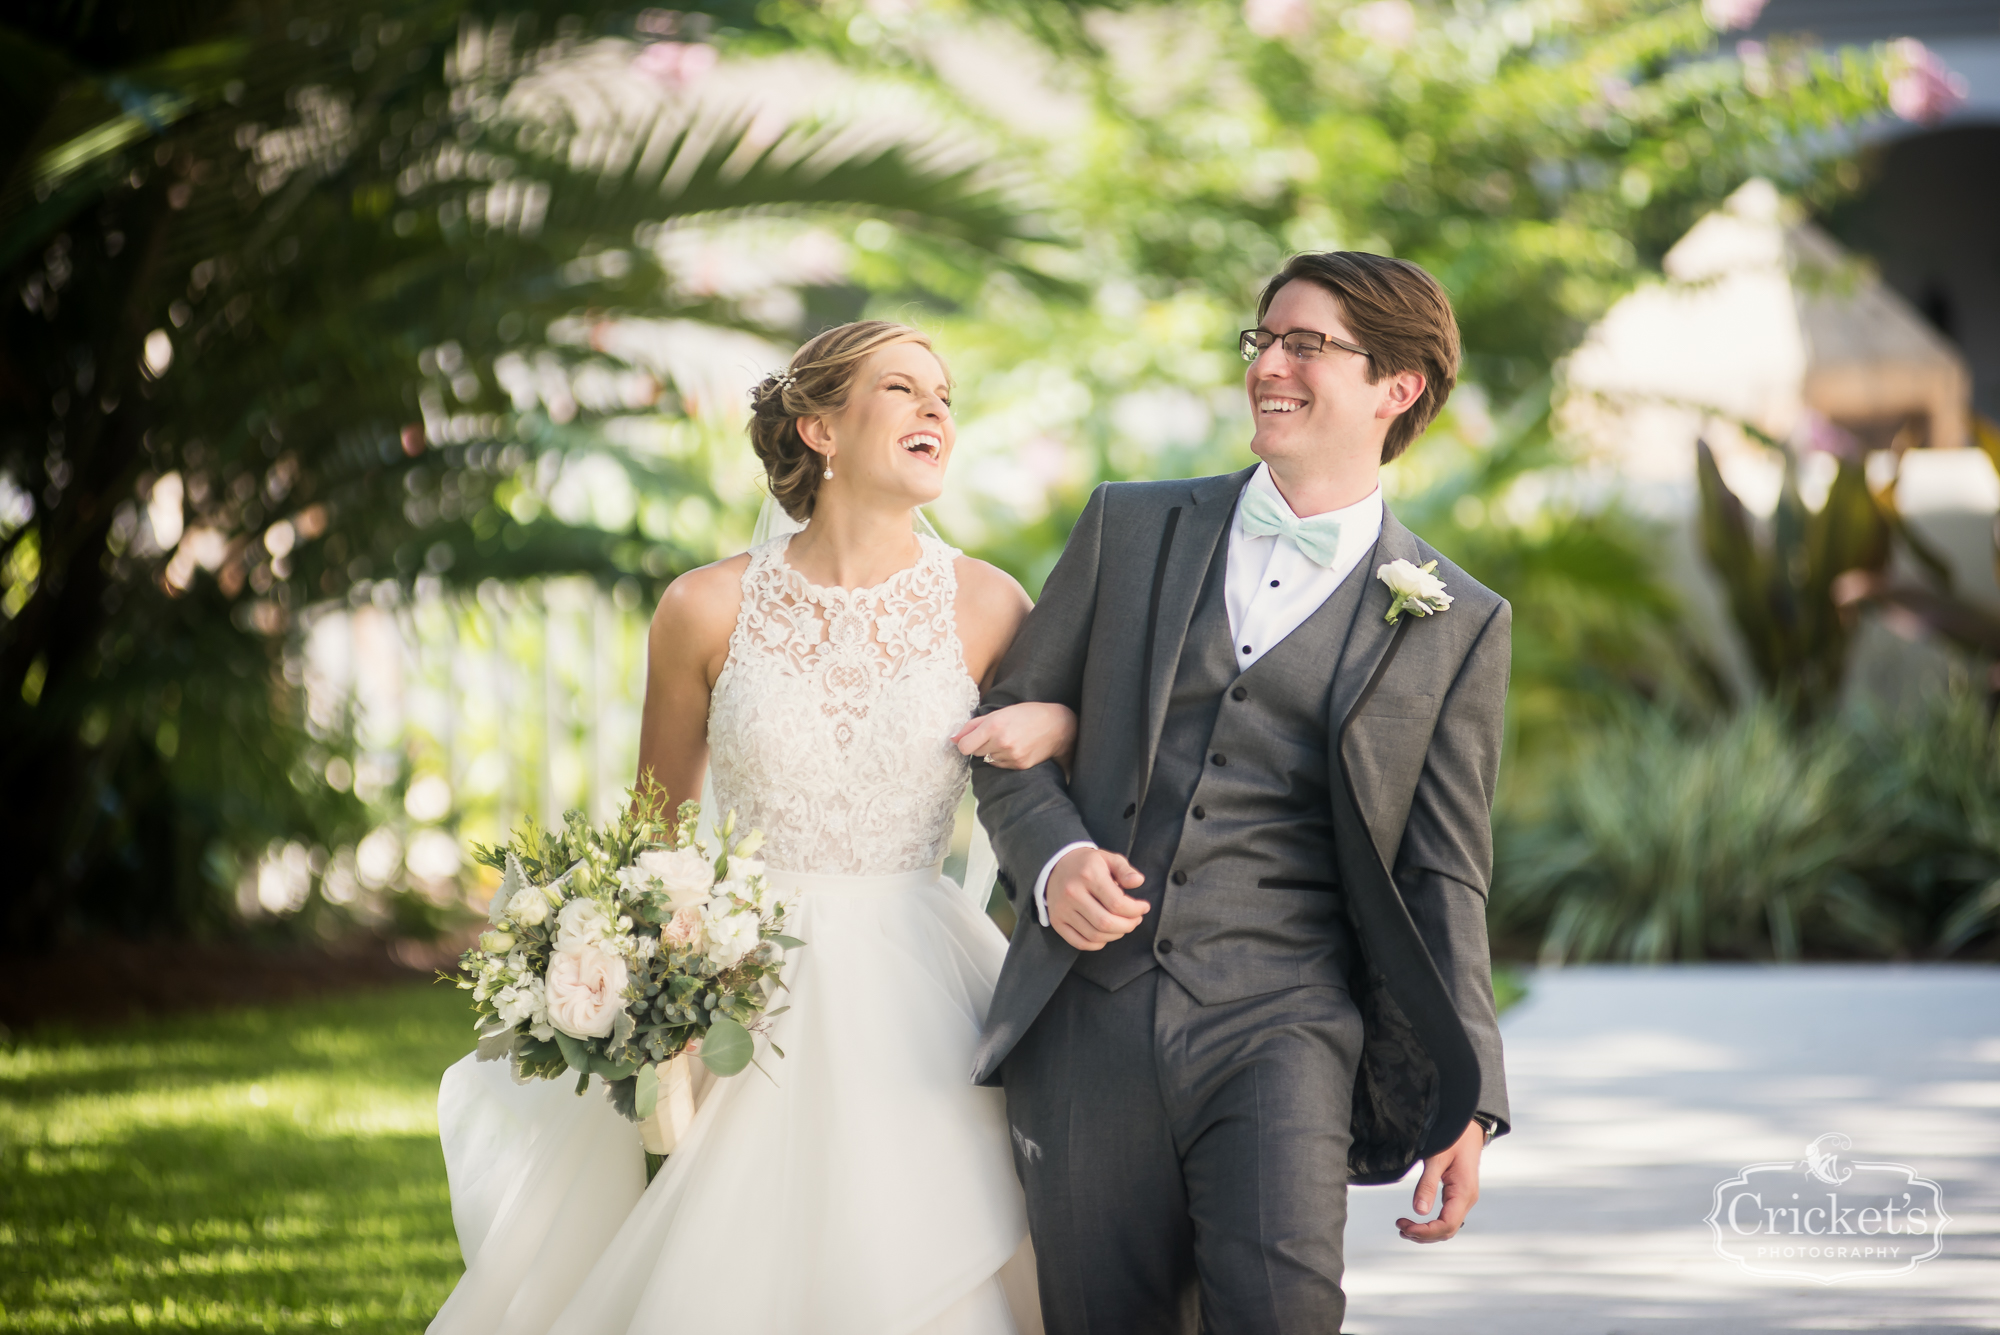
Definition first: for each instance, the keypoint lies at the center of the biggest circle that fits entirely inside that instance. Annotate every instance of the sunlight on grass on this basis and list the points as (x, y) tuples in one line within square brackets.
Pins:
[(266, 1170)]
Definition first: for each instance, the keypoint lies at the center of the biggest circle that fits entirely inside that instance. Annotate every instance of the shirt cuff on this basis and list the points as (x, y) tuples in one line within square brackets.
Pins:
[(1042, 881)]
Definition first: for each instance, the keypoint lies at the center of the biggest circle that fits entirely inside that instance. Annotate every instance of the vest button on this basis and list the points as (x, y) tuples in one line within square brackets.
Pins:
[(1239, 694), (1180, 878), (1130, 807), (1219, 758), (1201, 813), (1166, 947)]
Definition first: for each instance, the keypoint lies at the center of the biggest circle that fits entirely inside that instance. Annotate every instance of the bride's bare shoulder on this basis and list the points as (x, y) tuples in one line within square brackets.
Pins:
[(991, 606), (699, 608)]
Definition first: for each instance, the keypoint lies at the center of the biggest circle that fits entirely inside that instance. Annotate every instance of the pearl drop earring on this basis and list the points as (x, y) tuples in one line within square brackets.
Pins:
[(828, 474)]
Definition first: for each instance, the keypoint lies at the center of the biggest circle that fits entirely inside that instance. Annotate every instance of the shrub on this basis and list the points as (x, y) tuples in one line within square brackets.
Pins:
[(1755, 838)]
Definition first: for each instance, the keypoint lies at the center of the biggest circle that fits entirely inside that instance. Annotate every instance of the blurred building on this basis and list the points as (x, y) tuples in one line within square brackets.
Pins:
[(1783, 351), (1929, 210)]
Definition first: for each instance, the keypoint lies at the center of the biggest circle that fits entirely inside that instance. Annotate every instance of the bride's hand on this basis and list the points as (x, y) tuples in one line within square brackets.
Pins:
[(1020, 736)]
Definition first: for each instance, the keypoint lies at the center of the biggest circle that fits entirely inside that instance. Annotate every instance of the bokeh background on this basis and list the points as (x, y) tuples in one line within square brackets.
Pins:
[(368, 370)]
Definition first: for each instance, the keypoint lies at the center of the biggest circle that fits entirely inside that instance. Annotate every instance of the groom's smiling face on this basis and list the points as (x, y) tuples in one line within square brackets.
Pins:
[(1308, 408)]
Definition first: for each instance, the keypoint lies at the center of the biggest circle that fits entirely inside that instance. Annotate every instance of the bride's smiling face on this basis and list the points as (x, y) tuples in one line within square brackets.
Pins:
[(892, 439)]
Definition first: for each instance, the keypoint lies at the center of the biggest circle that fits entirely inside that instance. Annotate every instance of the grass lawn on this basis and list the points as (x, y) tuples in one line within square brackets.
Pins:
[(271, 1169), (274, 1169)]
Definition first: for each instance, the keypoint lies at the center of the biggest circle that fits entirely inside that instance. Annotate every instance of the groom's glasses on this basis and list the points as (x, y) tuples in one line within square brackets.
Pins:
[(1302, 344)]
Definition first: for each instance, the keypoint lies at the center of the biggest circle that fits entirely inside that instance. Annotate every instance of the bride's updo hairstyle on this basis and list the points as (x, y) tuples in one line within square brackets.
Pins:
[(818, 381)]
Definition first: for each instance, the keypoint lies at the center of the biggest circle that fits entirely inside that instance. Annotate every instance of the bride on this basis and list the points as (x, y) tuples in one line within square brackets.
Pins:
[(825, 681)]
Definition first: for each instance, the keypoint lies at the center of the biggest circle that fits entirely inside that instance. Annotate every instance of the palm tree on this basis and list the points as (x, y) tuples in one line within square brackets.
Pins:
[(268, 257)]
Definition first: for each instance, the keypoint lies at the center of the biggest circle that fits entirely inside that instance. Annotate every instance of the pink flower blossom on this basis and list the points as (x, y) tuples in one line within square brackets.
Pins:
[(1277, 18), (1390, 23), (685, 927), (1922, 88), (678, 65), (1729, 15)]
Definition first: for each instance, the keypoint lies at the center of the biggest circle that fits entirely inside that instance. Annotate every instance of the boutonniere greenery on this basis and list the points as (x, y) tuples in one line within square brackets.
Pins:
[(1418, 590)]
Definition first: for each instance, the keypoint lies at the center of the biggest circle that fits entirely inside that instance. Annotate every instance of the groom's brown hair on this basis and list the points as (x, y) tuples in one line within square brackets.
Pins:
[(1396, 311)]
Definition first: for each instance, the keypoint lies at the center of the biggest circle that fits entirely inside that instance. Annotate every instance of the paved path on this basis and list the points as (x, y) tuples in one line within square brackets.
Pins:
[(1637, 1091)]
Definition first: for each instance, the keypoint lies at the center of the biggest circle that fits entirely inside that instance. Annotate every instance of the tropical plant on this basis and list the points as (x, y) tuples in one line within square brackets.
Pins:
[(1935, 606), (1875, 836), (1781, 585), (1795, 583), (1538, 159), (317, 301), (1935, 888), (1667, 843)]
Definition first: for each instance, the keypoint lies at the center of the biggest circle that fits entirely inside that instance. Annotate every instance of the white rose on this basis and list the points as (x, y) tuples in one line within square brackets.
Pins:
[(584, 990), (731, 933), (581, 923), (1411, 581), (684, 873), (529, 906)]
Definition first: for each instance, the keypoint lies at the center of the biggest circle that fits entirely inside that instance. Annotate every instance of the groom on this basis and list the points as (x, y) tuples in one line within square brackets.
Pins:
[(1251, 962)]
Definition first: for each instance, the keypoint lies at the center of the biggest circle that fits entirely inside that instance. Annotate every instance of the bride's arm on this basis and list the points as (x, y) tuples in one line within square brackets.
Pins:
[(991, 608), (685, 651)]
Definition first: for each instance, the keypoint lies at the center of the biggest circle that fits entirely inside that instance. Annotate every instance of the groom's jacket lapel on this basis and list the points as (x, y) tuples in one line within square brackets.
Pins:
[(1370, 835), (1372, 645), (1188, 539)]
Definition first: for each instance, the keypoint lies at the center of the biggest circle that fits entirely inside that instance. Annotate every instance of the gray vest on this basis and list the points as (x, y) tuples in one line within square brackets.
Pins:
[(1235, 836)]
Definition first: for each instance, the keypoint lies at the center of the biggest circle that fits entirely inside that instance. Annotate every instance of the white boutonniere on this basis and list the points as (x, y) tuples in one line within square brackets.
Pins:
[(1417, 590)]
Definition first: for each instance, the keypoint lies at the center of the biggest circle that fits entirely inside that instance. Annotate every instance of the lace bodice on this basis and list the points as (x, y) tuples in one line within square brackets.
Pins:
[(829, 728)]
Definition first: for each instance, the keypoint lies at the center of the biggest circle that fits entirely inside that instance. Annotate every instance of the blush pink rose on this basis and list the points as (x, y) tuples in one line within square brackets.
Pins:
[(585, 987), (685, 927)]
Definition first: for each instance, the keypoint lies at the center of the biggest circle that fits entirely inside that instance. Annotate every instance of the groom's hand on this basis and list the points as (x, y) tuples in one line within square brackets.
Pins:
[(1088, 905), (1456, 1172)]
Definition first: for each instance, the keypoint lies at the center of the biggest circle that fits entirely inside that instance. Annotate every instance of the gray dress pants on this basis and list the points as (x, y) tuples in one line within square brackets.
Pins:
[(1186, 1165)]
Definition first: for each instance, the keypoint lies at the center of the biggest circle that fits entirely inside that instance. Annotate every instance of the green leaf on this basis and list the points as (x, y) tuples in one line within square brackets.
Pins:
[(726, 1047), (575, 1051), (612, 1070), (788, 942), (646, 1094)]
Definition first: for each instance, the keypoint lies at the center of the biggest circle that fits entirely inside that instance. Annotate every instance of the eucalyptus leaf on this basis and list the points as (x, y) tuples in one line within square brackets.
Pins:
[(788, 942), (646, 1091), (727, 1047), (575, 1051)]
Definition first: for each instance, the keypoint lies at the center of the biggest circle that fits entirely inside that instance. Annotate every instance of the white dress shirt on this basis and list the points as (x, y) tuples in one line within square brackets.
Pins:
[(1270, 587)]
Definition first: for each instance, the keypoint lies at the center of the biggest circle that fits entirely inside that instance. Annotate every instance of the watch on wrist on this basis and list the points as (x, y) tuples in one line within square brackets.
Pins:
[(1489, 1124)]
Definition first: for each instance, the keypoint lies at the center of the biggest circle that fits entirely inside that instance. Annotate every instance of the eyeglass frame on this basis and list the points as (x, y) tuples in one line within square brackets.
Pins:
[(1246, 345)]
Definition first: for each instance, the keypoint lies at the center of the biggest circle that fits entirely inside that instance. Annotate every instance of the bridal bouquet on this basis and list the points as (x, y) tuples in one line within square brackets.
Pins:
[(616, 951)]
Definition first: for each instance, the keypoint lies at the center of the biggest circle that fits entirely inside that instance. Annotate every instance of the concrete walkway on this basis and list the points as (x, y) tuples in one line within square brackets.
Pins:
[(1637, 1091)]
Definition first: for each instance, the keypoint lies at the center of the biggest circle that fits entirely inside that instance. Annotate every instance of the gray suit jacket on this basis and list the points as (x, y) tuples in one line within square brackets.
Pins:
[(1417, 721)]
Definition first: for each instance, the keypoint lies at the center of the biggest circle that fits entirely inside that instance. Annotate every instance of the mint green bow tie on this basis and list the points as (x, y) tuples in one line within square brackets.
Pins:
[(1318, 538)]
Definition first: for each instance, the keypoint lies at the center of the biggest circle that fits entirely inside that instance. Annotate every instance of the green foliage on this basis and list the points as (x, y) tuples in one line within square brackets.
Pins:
[(273, 1170), (317, 303), (1936, 887), (1781, 586), (1758, 838), (1538, 159), (306, 290)]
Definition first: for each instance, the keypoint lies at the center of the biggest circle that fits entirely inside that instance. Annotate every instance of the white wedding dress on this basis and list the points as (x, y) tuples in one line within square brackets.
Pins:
[(866, 1185)]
